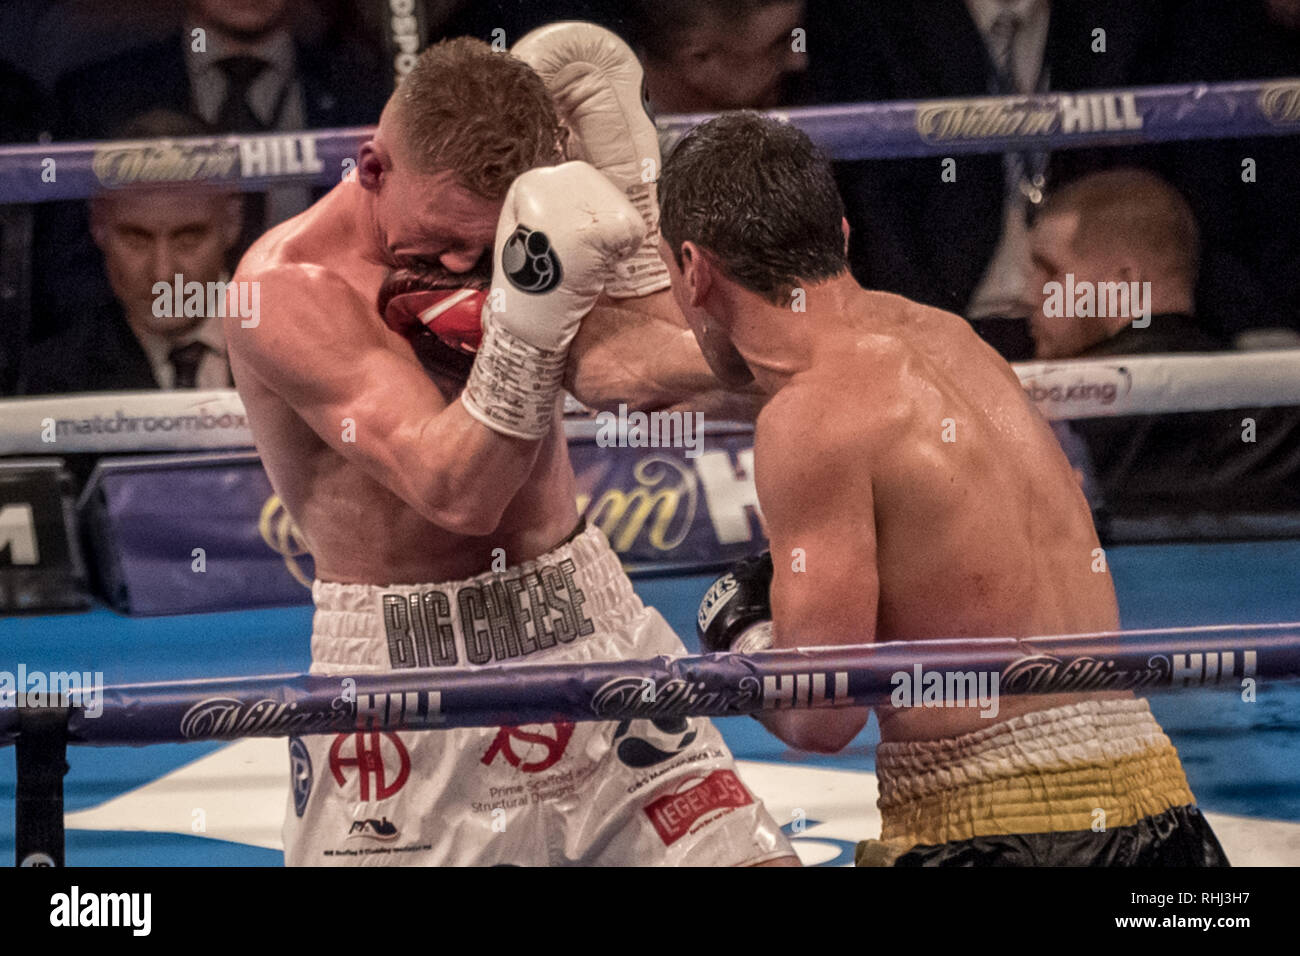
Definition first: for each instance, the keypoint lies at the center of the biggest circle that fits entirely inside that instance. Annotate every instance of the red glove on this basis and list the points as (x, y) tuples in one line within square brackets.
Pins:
[(454, 315), (449, 305)]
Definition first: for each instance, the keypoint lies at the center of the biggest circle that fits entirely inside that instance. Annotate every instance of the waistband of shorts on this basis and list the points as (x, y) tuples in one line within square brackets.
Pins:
[(1075, 767), (579, 585)]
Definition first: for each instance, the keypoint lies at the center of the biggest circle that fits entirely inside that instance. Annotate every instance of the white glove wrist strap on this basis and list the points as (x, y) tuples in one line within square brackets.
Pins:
[(513, 385)]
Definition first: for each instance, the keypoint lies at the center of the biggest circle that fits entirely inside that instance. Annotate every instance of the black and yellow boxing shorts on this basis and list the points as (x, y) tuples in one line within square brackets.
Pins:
[(1090, 784)]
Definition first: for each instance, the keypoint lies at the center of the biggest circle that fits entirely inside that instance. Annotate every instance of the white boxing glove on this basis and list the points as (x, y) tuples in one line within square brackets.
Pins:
[(562, 230), (595, 81)]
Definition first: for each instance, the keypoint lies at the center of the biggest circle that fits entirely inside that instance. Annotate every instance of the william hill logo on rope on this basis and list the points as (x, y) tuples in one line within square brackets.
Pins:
[(197, 159)]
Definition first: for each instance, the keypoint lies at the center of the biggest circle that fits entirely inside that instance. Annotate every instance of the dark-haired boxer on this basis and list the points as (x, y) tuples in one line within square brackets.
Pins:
[(911, 491), (415, 458)]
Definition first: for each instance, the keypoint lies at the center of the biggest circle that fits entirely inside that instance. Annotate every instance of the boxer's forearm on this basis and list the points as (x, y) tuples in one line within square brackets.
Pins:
[(468, 490), (721, 405), (822, 731), (639, 353)]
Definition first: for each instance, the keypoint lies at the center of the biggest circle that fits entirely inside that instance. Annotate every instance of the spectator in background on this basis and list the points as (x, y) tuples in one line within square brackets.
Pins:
[(961, 245), (710, 55), (236, 66), (1125, 226), (1251, 273), (147, 235)]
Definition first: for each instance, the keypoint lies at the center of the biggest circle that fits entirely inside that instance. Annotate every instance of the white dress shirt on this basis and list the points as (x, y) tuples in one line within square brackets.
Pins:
[(999, 291), (275, 97), (214, 367)]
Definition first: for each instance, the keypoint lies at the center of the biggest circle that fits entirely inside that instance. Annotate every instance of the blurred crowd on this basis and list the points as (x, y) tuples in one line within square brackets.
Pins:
[(1220, 247)]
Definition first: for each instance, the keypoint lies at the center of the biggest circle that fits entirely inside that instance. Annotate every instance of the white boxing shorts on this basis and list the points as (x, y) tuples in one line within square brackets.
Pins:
[(636, 792)]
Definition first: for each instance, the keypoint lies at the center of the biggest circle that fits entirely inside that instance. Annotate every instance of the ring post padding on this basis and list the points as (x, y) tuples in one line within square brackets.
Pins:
[(38, 799)]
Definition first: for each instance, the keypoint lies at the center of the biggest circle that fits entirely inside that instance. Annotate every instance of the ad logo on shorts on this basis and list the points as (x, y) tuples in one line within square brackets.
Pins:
[(675, 814), (531, 760), (529, 261), (381, 829), (299, 774), (655, 740), (380, 759)]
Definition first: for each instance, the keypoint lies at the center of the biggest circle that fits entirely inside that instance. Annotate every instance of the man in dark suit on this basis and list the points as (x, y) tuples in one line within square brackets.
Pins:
[(1126, 227), (958, 245), (234, 66), (145, 338)]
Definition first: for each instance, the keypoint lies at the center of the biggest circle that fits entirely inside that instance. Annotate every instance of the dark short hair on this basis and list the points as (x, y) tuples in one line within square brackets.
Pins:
[(760, 198), (482, 114)]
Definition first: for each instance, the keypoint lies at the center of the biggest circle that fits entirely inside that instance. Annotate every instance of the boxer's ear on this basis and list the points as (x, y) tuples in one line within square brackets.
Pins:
[(697, 273), (373, 161)]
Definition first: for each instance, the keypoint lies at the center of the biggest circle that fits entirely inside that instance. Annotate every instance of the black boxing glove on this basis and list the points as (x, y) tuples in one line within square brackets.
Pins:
[(736, 612)]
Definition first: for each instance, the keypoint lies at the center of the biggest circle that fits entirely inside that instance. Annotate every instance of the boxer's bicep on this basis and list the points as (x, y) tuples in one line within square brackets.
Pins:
[(321, 352), (818, 508), (639, 352)]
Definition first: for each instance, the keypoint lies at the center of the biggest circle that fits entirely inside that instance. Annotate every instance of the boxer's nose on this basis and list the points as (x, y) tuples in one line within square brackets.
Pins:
[(460, 259)]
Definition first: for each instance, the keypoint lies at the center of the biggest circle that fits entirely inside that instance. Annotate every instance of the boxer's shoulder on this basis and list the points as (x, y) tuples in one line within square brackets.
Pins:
[(304, 308), (811, 425)]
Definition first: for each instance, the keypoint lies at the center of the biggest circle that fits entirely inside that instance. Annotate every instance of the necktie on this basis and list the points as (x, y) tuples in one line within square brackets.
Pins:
[(235, 115), (1002, 46), (185, 360)]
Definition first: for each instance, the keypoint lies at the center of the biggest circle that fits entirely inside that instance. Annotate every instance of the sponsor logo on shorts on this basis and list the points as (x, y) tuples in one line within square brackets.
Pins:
[(380, 759), (381, 829), (674, 815), (654, 740), (299, 774), (509, 617), (529, 261), (539, 752)]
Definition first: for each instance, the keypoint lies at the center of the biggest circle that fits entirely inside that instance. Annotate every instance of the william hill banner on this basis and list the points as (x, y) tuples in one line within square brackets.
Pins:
[(668, 509), (204, 532)]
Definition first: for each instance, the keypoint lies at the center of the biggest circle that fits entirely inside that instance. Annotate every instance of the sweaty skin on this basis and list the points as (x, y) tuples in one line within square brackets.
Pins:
[(422, 492), (385, 474), (908, 536)]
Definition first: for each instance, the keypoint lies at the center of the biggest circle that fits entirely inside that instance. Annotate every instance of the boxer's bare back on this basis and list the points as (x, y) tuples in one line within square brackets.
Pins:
[(387, 477), (930, 500)]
